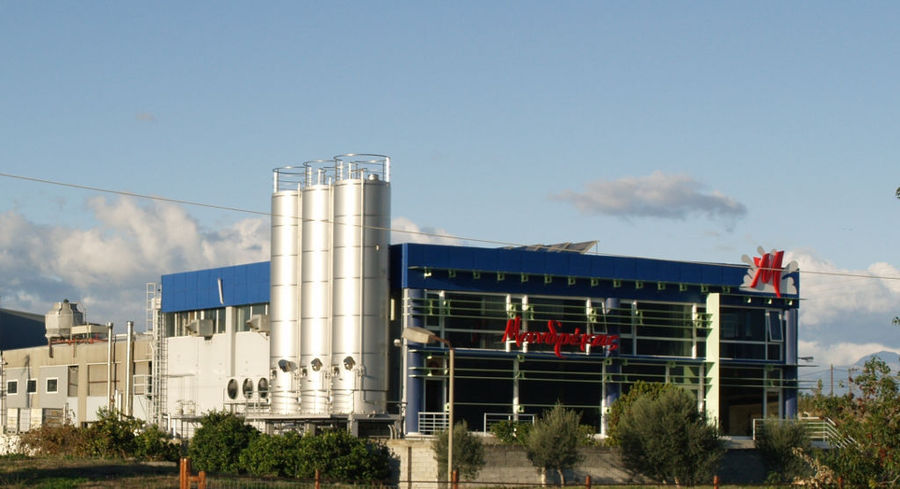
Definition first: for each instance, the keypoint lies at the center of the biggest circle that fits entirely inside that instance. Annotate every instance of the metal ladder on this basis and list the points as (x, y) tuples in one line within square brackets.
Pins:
[(154, 323)]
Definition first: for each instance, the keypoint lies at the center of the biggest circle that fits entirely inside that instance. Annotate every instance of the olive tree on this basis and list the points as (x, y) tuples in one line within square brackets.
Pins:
[(468, 452), (668, 439), (552, 443)]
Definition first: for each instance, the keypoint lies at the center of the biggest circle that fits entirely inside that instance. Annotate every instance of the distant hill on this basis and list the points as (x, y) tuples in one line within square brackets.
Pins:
[(891, 358), (810, 376)]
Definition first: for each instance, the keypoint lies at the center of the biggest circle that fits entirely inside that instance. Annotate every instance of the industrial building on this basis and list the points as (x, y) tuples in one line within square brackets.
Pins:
[(315, 336)]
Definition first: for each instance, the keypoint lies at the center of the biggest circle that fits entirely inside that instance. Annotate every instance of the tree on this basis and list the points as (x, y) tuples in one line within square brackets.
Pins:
[(778, 441), (622, 404), (218, 442), (869, 453), (553, 441), (112, 435), (668, 439), (468, 452)]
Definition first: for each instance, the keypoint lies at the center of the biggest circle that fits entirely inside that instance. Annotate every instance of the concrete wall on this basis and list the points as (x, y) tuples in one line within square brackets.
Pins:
[(80, 370), (198, 369), (510, 464)]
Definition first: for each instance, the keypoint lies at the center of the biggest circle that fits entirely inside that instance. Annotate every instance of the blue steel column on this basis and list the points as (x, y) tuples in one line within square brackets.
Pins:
[(415, 361), (613, 389), (790, 360)]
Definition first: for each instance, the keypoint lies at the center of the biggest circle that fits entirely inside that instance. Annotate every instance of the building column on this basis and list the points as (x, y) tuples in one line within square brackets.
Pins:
[(711, 396), (790, 360), (414, 387), (611, 390)]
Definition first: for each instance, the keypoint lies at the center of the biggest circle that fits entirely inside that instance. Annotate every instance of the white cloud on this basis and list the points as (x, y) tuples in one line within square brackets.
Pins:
[(843, 353), (106, 267), (846, 314), (831, 293), (656, 195), (404, 230)]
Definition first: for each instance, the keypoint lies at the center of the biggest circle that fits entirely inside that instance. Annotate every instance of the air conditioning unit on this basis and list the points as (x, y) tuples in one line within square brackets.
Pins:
[(202, 327), (259, 322)]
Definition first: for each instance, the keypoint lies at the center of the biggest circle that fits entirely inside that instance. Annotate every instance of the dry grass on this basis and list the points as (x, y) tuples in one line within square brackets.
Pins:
[(63, 473)]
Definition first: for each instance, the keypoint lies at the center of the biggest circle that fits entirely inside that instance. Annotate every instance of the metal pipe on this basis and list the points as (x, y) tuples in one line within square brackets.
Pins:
[(129, 374), (110, 340)]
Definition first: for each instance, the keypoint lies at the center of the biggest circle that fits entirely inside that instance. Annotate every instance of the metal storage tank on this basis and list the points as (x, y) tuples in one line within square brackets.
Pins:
[(360, 296), (315, 301), (284, 298)]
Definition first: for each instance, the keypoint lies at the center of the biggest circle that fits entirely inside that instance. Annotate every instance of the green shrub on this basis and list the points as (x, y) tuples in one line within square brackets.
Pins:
[(511, 432), (276, 456), (776, 441), (340, 456), (337, 455), (151, 443), (554, 440), (112, 435), (622, 404), (218, 442), (668, 440), (468, 452)]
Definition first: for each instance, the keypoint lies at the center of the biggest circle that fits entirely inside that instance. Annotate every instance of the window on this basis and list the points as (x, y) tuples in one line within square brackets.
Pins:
[(244, 313), (12, 387), (52, 385), (31, 387), (775, 326)]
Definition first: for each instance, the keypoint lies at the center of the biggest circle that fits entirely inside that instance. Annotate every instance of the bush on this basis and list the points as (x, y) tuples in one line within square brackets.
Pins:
[(777, 442), (554, 440), (511, 432), (112, 436), (668, 440), (275, 456), (468, 452), (65, 440), (337, 455), (343, 457), (152, 443), (218, 442), (623, 403)]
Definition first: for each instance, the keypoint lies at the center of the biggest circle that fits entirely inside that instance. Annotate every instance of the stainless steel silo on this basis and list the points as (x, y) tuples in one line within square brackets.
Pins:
[(315, 302), (284, 298), (360, 295)]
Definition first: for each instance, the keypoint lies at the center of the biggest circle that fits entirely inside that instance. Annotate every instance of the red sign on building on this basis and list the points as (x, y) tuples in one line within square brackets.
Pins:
[(557, 338)]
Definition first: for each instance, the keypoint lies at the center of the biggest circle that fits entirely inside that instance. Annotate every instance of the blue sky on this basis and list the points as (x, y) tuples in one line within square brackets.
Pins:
[(694, 131)]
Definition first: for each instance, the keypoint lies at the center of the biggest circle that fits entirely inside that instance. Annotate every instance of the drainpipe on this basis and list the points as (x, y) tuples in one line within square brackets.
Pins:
[(129, 374), (110, 340)]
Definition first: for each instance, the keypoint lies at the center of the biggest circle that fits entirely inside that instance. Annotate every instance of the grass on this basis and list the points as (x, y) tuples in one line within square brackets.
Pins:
[(21, 472)]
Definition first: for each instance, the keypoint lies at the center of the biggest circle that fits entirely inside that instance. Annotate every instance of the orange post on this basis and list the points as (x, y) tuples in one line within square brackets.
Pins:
[(715, 482), (184, 473), (317, 478), (454, 484), (587, 481), (185, 478)]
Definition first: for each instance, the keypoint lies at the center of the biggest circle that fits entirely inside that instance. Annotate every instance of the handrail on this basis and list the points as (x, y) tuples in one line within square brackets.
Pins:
[(491, 419), (817, 428)]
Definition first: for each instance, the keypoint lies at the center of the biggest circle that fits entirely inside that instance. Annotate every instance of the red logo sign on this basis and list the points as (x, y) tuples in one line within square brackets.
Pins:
[(768, 274), (768, 269), (557, 339)]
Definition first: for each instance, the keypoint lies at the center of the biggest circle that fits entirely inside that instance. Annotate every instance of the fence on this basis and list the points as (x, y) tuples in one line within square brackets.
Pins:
[(821, 430), (491, 419)]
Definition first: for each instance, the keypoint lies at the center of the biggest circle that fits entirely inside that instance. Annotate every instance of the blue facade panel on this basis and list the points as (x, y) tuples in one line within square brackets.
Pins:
[(409, 260), (241, 284)]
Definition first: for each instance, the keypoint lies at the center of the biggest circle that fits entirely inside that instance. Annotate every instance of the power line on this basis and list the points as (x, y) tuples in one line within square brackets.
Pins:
[(379, 228)]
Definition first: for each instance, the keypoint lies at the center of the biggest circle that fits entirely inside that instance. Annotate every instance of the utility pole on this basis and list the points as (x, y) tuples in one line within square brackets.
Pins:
[(832, 380)]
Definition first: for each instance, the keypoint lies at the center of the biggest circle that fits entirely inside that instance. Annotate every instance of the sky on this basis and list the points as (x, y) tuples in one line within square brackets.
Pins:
[(692, 131)]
